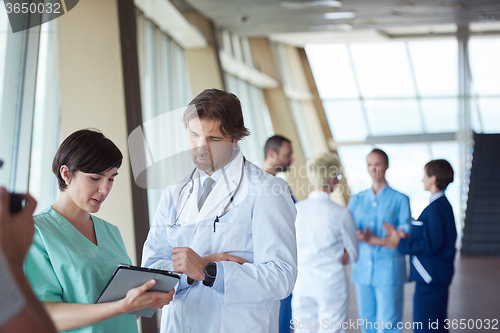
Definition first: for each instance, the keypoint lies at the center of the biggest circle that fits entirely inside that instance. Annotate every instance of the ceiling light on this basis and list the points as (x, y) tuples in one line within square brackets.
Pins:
[(301, 4), (331, 27), (339, 15)]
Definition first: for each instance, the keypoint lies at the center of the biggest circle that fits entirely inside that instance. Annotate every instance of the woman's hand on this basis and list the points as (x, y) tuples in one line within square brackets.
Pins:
[(140, 298), (369, 238)]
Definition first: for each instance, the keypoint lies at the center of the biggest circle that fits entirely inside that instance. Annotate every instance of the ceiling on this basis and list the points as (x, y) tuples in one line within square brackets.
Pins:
[(304, 21)]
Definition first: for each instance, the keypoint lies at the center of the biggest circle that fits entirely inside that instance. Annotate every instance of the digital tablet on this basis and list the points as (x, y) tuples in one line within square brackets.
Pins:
[(127, 277)]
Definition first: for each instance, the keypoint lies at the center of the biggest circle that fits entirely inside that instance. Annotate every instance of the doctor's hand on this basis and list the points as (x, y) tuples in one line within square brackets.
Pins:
[(345, 258), (218, 257), (186, 261)]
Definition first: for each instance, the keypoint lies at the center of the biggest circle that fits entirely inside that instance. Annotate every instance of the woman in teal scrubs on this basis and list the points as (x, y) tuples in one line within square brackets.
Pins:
[(75, 253)]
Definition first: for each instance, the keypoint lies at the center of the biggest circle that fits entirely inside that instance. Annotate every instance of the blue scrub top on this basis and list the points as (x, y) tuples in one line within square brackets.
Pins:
[(377, 265), (63, 265)]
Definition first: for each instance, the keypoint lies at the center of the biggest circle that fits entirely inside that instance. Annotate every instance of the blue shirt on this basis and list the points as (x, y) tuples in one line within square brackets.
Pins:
[(377, 265)]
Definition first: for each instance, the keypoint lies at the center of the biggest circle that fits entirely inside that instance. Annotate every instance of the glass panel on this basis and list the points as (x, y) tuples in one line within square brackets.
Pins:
[(181, 85), (264, 126), (167, 78), (332, 71), (346, 120), (45, 138), (383, 69), (392, 117), (440, 115), (354, 164), (485, 67), (476, 122), (435, 76), (490, 114), (300, 124), (284, 66), (164, 88), (4, 29), (249, 145), (149, 103)]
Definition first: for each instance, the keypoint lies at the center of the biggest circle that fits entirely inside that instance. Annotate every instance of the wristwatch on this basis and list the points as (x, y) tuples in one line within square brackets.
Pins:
[(210, 273)]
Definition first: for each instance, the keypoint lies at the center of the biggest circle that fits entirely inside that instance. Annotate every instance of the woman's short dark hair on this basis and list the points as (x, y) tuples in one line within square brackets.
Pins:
[(382, 153), (87, 151), (218, 105), (442, 170)]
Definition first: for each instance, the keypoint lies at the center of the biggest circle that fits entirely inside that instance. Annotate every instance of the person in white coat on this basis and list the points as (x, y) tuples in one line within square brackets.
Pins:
[(326, 240), (228, 227)]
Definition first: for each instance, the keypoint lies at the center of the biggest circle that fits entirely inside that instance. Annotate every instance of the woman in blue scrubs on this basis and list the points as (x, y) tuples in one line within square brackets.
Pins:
[(380, 273), (75, 253)]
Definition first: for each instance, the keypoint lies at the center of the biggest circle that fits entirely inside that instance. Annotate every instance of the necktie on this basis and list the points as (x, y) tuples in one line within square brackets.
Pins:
[(208, 188)]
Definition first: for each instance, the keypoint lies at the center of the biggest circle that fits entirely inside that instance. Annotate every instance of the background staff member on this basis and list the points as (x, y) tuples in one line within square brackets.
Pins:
[(324, 230), (432, 248), (379, 273), (20, 310), (278, 158), (226, 206)]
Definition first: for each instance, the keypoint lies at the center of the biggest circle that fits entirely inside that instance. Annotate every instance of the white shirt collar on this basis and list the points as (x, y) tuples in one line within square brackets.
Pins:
[(436, 196)]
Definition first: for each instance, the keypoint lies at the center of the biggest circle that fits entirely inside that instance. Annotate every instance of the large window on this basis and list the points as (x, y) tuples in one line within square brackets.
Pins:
[(29, 109), (164, 92), (42, 182), (255, 112), (408, 89)]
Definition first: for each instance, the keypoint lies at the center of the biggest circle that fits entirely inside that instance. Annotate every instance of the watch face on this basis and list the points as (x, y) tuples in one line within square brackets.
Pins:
[(211, 270)]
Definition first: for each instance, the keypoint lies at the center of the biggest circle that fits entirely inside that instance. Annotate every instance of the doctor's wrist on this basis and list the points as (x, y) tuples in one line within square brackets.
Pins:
[(210, 274)]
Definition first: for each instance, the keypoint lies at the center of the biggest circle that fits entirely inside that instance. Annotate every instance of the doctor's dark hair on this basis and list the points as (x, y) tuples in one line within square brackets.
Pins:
[(274, 143), (214, 104), (87, 151), (442, 170)]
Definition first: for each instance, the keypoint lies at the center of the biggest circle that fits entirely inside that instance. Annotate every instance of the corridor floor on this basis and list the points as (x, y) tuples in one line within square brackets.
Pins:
[(474, 294)]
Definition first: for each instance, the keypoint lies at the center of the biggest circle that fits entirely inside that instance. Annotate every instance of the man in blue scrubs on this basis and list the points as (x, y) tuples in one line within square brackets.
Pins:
[(379, 273)]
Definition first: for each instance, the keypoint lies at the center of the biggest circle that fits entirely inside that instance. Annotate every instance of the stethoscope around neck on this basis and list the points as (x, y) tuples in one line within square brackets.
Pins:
[(191, 181)]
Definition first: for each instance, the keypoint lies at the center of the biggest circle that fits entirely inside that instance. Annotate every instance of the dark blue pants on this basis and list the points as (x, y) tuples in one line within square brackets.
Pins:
[(285, 314), (430, 307)]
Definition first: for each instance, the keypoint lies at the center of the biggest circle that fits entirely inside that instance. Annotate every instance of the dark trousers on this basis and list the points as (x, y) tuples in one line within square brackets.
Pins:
[(430, 307), (285, 315)]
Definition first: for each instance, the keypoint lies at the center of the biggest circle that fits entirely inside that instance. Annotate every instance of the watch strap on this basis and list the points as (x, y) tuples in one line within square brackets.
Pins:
[(210, 274)]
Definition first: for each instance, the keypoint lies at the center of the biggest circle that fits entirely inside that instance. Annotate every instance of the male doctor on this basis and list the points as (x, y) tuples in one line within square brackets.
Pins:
[(228, 227)]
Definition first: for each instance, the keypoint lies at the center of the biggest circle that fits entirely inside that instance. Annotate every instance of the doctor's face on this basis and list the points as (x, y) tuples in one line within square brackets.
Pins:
[(210, 149)]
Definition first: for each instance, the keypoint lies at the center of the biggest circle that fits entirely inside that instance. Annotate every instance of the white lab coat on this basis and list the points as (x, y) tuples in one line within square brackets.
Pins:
[(324, 230), (258, 226)]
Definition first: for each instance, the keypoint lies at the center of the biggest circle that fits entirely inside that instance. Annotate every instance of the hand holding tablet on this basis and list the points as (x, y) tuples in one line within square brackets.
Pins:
[(128, 277)]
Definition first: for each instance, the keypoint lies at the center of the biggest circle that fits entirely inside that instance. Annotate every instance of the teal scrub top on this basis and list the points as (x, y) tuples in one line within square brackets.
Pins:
[(62, 265)]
